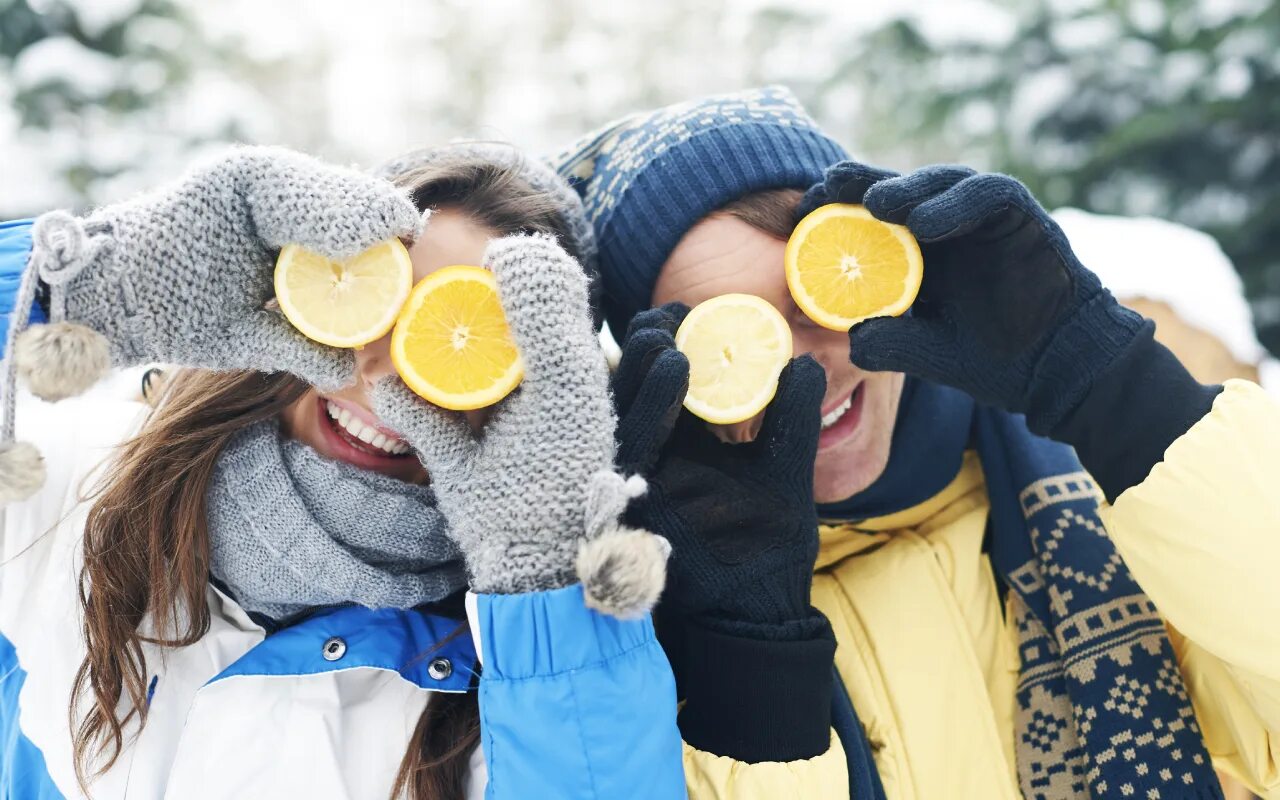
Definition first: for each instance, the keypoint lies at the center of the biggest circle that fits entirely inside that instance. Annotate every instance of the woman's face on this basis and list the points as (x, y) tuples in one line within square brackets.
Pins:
[(340, 425)]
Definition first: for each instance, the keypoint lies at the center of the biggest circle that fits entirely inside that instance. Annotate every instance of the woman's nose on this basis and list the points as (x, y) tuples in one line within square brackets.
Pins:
[(373, 361)]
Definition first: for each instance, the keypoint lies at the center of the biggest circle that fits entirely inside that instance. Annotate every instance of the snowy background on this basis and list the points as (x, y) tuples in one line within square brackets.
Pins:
[(1167, 108)]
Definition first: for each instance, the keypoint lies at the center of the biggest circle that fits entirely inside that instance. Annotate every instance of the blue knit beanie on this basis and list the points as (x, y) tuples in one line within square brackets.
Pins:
[(645, 180)]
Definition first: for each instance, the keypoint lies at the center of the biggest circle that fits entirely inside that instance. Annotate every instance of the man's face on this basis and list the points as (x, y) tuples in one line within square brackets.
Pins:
[(721, 255)]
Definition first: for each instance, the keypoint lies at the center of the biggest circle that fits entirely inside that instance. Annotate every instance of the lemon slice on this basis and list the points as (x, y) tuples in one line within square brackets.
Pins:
[(844, 265), (452, 344), (344, 303), (737, 345)]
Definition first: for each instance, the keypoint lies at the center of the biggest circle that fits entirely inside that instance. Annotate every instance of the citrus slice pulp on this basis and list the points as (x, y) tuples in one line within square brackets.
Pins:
[(343, 303), (844, 265), (452, 345), (737, 345)]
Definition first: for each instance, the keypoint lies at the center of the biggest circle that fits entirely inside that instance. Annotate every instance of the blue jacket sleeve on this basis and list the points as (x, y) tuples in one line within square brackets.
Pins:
[(574, 703), (15, 250)]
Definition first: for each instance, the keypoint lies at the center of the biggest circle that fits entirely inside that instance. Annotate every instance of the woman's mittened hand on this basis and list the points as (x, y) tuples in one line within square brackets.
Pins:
[(183, 275), (1006, 311), (536, 489)]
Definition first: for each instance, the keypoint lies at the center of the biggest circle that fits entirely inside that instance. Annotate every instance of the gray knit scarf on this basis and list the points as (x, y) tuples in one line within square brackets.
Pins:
[(290, 530)]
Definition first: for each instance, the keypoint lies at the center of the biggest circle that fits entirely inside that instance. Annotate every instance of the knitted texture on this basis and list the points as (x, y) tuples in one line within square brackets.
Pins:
[(649, 387), (1006, 313), (517, 496), (182, 275), (846, 182), (740, 518), (290, 530), (650, 177)]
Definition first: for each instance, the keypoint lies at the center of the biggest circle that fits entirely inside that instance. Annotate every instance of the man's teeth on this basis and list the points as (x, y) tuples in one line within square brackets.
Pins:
[(836, 413), (365, 433)]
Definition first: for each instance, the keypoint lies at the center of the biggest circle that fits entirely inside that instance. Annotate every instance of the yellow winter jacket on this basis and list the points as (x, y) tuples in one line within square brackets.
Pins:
[(931, 664)]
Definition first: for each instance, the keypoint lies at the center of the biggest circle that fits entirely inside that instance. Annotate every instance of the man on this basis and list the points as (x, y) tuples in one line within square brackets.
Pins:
[(992, 642)]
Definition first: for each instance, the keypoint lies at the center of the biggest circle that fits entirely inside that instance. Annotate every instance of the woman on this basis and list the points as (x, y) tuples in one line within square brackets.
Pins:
[(269, 584)]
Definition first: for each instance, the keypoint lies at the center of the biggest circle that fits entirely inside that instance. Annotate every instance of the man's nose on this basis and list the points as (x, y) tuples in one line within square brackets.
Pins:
[(373, 361), (829, 348)]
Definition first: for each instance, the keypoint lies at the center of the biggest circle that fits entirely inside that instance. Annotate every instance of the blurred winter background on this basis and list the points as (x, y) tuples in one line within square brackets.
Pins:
[(1168, 108)]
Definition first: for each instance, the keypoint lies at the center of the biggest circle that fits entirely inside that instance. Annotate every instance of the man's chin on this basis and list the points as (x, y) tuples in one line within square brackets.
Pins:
[(838, 476)]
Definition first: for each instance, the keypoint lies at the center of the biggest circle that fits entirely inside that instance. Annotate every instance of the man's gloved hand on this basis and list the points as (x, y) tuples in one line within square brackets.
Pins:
[(182, 275), (648, 387), (537, 488), (1006, 311), (846, 182), (743, 529), (740, 518)]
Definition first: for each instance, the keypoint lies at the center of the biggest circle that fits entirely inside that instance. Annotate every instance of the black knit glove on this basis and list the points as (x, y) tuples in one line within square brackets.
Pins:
[(1008, 314), (743, 529), (648, 387), (846, 182)]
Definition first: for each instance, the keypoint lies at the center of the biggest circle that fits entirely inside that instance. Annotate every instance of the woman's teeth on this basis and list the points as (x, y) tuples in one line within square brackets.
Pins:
[(836, 413), (365, 433)]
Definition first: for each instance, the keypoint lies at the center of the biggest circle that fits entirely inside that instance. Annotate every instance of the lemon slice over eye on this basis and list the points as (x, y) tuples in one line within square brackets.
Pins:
[(343, 303), (737, 345), (452, 345), (844, 265)]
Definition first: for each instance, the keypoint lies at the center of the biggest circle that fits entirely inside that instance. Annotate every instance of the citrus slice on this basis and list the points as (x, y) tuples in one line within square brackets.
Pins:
[(737, 345), (844, 265), (452, 345), (344, 303)]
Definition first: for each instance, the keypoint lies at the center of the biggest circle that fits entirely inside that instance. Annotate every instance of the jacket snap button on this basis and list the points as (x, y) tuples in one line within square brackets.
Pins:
[(334, 649), (440, 668)]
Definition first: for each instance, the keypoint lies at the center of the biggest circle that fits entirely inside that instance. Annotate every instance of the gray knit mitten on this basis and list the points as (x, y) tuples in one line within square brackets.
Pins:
[(533, 501), (182, 275)]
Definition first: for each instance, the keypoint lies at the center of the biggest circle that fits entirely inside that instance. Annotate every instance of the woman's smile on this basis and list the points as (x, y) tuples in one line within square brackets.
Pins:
[(340, 427), (356, 429)]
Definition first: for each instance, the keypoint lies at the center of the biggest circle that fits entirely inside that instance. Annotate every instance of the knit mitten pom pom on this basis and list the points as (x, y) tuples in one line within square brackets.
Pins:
[(21, 471), (61, 360), (623, 571)]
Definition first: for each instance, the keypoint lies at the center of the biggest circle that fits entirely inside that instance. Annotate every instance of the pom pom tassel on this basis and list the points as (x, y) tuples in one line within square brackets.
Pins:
[(623, 571), (61, 359), (21, 471)]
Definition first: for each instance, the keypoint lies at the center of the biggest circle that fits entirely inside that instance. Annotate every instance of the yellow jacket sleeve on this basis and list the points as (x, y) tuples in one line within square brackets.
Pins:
[(712, 777), (1202, 536)]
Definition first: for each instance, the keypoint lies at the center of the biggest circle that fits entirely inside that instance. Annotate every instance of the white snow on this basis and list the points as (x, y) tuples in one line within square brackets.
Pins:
[(1037, 95), (1233, 79), (1085, 34), (1171, 263), (1215, 12), (61, 59), (1147, 15), (96, 16)]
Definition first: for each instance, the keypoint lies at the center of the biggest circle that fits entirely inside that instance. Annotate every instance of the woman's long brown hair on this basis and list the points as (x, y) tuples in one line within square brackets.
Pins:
[(146, 539)]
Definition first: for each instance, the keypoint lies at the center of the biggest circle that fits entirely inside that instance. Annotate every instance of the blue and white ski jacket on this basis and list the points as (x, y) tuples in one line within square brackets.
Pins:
[(573, 704)]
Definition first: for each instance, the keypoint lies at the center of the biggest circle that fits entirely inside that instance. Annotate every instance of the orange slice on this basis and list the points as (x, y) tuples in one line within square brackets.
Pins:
[(343, 303), (452, 344), (737, 345), (844, 265)]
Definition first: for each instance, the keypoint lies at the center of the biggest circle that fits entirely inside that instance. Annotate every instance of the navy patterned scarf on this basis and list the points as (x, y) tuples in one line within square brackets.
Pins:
[(1102, 711)]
